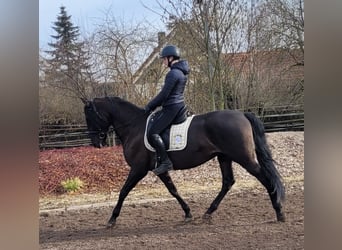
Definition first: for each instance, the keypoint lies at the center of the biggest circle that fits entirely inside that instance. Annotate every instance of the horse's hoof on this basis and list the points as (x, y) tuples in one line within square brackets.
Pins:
[(187, 219), (110, 224), (206, 216), (280, 217)]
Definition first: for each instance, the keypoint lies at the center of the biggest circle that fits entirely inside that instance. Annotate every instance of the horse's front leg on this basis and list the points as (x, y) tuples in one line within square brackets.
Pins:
[(134, 176), (166, 179)]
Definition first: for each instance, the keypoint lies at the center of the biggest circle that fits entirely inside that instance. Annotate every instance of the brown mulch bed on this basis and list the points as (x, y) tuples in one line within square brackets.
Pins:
[(99, 169)]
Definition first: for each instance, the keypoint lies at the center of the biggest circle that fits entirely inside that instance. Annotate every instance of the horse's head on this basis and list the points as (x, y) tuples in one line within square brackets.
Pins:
[(97, 123)]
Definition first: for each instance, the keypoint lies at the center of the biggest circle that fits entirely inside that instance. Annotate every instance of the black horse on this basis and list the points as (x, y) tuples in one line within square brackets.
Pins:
[(228, 135)]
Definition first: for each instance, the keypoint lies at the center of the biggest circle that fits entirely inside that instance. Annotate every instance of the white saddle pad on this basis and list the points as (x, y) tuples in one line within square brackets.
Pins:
[(178, 135)]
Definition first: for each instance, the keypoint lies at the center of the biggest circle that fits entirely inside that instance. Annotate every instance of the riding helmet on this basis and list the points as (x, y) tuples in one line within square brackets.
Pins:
[(170, 50)]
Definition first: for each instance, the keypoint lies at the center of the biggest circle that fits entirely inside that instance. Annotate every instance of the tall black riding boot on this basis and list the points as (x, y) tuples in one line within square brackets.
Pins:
[(163, 162)]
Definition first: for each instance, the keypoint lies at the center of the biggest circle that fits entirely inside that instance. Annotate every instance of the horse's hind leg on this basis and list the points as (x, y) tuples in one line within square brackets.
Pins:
[(166, 179), (256, 170), (227, 183)]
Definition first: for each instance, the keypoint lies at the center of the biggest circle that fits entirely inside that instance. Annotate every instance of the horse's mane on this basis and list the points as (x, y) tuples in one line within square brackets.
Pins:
[(121, 101)]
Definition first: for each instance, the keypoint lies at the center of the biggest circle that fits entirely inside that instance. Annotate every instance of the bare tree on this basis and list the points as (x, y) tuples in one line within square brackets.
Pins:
[(120, 48), (281, 25), (270, 71)]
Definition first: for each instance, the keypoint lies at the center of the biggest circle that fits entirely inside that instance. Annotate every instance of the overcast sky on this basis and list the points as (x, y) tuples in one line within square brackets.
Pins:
[(86, 13)]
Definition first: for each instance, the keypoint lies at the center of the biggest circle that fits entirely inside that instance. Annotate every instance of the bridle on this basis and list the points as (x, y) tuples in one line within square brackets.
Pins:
[(100, 131)]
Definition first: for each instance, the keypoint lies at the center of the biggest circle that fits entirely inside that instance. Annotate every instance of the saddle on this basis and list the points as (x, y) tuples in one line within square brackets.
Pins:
[(174, 136)]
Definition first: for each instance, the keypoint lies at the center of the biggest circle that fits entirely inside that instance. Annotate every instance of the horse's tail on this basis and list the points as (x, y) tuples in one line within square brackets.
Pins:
[(264, 156)]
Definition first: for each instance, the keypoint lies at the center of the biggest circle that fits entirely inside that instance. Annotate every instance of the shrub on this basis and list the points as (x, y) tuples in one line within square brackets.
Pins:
[(72, 184)]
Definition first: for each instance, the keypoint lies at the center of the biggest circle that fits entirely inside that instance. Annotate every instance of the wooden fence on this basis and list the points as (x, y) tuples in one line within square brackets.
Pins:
[(65, 136)]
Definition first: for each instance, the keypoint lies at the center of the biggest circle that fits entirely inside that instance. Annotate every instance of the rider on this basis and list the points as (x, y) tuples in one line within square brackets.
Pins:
[(171, 98)]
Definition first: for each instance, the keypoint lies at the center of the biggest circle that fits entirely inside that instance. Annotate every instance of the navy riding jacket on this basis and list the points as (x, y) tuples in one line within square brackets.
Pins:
[(173, 89)]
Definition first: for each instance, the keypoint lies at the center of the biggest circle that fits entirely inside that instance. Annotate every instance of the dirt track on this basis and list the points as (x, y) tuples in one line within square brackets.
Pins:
[(244, 220)]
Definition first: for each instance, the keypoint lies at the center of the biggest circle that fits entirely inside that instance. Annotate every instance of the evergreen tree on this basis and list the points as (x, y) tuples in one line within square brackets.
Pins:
[(69, 65)]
